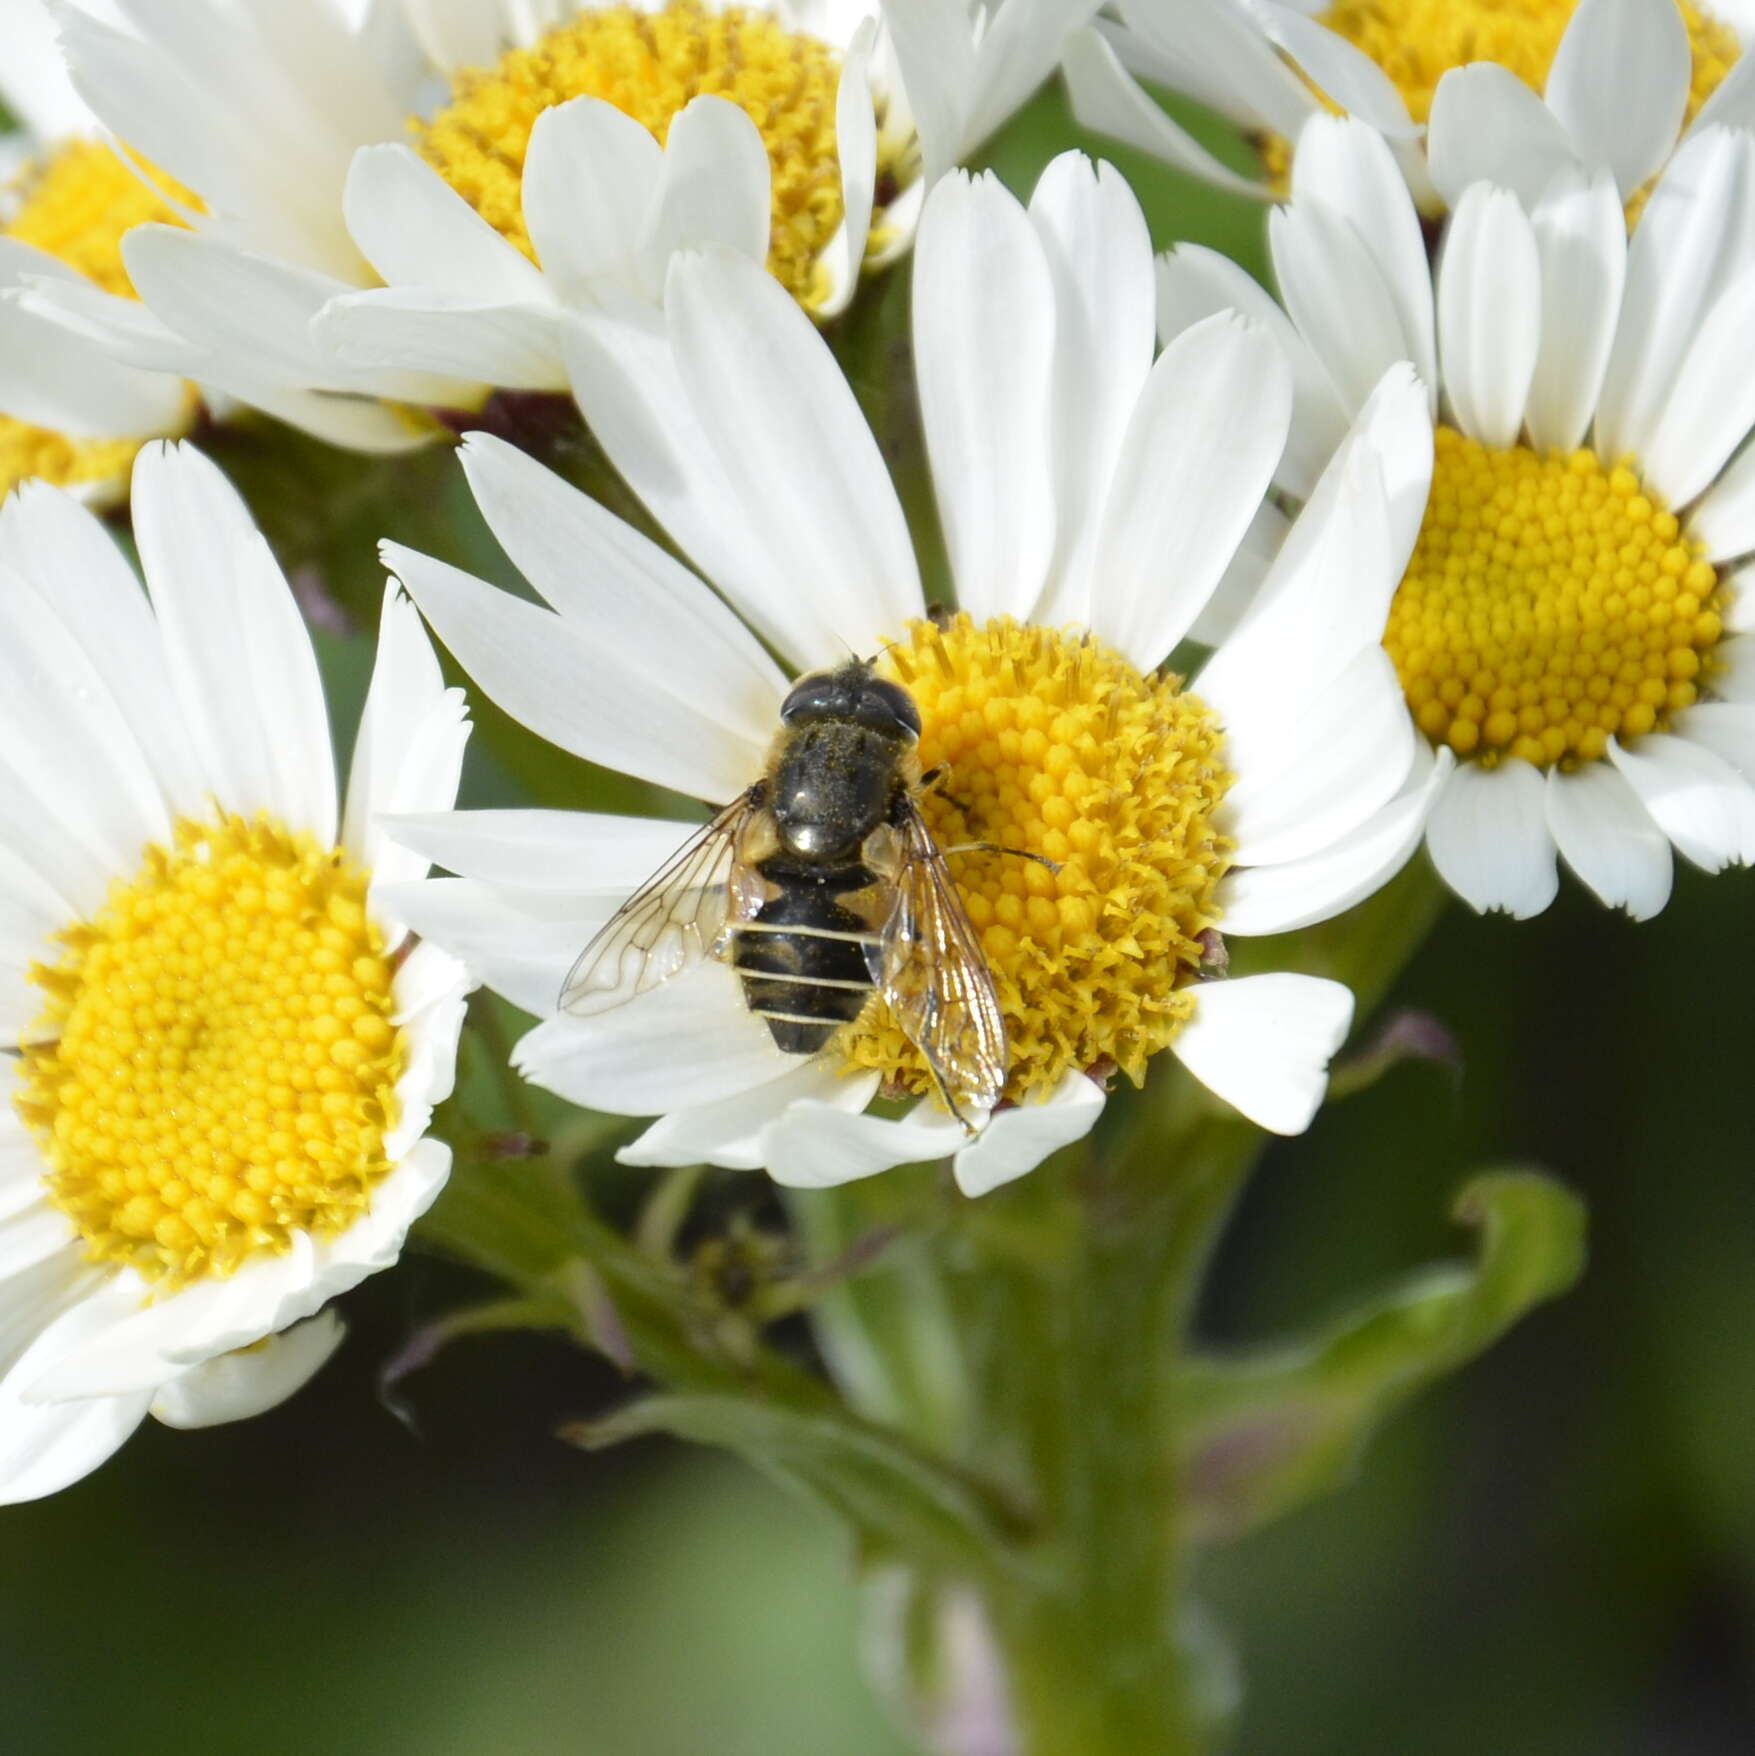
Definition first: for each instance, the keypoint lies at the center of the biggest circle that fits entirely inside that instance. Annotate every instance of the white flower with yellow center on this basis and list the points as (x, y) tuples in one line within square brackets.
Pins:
[(1570, 629), (1620, 80), (445, 185), (226, 1055), (1091, 500), (68, 414)]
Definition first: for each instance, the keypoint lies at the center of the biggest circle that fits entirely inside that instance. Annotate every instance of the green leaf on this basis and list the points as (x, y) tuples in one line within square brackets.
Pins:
[(900, 1500), (1264, 1434)]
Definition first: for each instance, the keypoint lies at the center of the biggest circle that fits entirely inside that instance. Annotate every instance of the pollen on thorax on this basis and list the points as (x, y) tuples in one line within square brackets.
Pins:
[(1052, 744), (649, 65), (1552, 603), (76, 204), (215, 1067)]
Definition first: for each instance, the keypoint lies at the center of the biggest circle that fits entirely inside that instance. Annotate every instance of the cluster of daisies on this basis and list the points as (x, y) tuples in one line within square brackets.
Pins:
[(1254, 591)]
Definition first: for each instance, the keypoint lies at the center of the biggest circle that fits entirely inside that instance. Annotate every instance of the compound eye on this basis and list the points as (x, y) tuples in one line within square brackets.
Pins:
[(819, 696), (888, 707)]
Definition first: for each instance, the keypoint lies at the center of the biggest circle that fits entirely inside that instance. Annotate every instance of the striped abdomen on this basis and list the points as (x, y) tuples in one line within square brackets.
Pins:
[(802, 958)]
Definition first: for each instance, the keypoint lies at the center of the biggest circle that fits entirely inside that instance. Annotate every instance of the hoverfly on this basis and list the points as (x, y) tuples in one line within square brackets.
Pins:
[(820, 885)]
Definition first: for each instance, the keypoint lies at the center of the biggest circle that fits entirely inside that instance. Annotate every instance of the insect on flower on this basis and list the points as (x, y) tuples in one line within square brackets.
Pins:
[(819, 885)]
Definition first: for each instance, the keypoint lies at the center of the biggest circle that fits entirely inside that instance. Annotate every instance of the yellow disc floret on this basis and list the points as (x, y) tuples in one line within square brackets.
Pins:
[(76, 205), (649, 65), (1052, 744), (217, 1062), (1550, 605)]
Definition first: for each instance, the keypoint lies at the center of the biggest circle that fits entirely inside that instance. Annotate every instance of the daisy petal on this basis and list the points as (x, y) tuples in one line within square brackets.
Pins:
[(1619, 85), (1344, 73), (600, 702), (816, 1145), (733, 1132), (1581, 239), (1263, 1044), (777, 408), (1018, 1138), (566, 853), (1697, 798), (1489, 838), (399, 330), (856, 150), (1199, 455), (1724, 518), (1608, 838), (590, 176), (1727, 728), (51, 378), (984, 339), (713, 184), (1711, 405), (1487, 126), (1489, 314), (239, 657), (236, 1386)]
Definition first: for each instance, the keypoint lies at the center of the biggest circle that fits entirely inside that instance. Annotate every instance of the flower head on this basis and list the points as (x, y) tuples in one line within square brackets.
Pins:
[(552, 163), (1462, 89), (227, 1055), (1103, 818), (1568, 629)]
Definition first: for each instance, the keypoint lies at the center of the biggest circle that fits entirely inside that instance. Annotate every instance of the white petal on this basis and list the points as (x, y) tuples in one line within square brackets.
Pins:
[(417, 231), (55, 380), (1018, 1138), (936, 57), (816, 1145), (1016, 49), (595, 701), (856, 149), (379, 337), (1619, 84), (1692, 239), (1724, 518), (713, 188), (1100, 254), (733, 1131), (1259, 900), (1489, 838), (1106, 99), (791, 439), (1727, 728), (1489, 313), (1711, 405), (409, 752), (620, 591), (33, 75), (692, 1041), (1199, 455), (1697, 798), (984, 339), (1487, 126), (1344, 73), (239, 657), (1581, 238), (590, 178), (238, 1385), (566, 853), (1607, 837), (1263, 1044), (1218, 51)]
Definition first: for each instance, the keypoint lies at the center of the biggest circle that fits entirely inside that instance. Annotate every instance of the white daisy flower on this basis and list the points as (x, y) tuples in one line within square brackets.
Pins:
[(1620, 80), (534, 182), (68, 414), (226, 1055), (1571, 625), (1092, 500)]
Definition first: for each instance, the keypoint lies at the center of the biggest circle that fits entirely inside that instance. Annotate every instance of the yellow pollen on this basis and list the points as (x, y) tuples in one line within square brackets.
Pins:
[(1416, 42), (649, 65), (1550, 605), (220, 1063), (76, 205), (1055, 745)]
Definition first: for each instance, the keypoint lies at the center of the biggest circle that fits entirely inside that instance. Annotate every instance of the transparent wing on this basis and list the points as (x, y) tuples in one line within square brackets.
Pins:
[(931, 971), (675, 919)]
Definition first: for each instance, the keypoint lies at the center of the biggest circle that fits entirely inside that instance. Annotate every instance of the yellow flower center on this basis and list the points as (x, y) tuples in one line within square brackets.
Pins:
[(221, 1063), (1055, 745), (1550, 605), (76, 205), (1417, 42), (650, 65)]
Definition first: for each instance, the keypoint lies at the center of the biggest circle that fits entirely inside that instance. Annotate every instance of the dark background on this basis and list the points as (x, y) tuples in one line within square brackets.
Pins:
[(1553, 1555)]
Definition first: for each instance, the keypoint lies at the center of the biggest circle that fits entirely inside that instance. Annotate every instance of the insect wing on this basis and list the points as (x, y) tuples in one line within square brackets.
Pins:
[(673, 921), (931, 972)]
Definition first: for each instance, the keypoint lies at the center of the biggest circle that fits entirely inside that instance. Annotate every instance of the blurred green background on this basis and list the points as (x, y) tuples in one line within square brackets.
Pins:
[(1552, 1556)]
